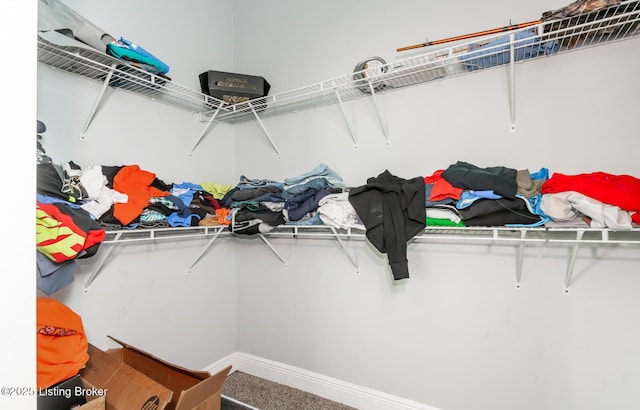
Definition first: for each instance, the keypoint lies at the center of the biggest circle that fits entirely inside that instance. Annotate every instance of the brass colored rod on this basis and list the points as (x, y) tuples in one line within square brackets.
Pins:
[(471, 35)]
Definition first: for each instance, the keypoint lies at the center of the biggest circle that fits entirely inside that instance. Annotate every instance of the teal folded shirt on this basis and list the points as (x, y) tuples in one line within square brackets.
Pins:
[(126, 50)]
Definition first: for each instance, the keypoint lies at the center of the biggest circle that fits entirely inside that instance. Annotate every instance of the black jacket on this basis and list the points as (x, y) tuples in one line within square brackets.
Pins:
[(392, 210)]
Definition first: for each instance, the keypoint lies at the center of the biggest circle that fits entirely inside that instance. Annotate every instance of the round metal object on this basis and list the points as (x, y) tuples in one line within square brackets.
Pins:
[(370, 68)]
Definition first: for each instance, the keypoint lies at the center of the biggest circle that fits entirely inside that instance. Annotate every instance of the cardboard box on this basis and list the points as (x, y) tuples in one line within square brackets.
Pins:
[(124, 387), (133, 378), (233, 88)]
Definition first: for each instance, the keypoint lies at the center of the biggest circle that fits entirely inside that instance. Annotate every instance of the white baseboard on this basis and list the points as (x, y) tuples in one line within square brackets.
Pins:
[(333, 389)]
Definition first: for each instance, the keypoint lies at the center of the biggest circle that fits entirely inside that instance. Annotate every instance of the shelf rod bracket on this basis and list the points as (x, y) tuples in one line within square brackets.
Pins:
[(101, 262), (273, 249), (572, 259), (353, 262), (346, 120), (205, 130), (383, 124), (264, 129), (96, 104), (207, 246), (520, 257), (512, 85)]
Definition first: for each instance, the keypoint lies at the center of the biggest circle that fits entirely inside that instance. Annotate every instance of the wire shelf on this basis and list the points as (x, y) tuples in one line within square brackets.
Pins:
[(475, 235), (518, 237), (552, 37), (94, 65)]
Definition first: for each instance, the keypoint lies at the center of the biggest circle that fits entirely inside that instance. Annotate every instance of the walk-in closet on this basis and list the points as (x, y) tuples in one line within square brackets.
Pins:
[(447, 194)]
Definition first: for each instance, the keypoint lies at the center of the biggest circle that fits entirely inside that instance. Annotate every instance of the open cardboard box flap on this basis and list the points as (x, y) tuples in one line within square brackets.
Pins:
[(189, 388), (125, 387)]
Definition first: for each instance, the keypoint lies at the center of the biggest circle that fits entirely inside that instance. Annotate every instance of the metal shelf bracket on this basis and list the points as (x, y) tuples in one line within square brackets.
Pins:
[(346, 120), (101, 263), (512, 86), (207, 246), (264, 129), (383, 124), (572, 259), (204, 131), (96, 104), (351, 259), (520, 257), (273, 249)]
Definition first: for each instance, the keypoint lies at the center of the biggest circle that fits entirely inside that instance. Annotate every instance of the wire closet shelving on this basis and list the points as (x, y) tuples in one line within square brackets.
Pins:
[(571, 238), (548, 38), (552, 37)]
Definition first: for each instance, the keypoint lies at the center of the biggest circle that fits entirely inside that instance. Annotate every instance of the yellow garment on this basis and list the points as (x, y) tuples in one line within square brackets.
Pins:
[(217, 190), (56, 240)]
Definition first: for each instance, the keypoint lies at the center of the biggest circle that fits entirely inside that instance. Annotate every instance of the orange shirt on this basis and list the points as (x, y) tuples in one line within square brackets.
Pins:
[(62, 347), (136, 183)]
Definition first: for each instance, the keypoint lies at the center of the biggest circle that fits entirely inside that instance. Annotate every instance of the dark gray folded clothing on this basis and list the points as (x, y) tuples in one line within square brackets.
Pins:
[(502, 218), (268, 217), (498, 212), (153, 224), (501, 180), (251, 193), (49, 182)]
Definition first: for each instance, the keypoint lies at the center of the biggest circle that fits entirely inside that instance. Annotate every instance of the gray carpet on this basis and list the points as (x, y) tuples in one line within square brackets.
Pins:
[(267, 395)]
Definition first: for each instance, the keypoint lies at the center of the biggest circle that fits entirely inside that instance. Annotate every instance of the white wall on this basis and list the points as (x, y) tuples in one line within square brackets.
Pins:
[(144, 294), (458, 334)]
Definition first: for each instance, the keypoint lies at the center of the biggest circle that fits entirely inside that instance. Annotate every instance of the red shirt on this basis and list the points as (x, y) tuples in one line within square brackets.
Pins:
[(619, 190)]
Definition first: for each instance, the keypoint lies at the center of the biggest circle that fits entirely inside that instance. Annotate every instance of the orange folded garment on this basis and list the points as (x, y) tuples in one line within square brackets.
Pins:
[(62, 347)]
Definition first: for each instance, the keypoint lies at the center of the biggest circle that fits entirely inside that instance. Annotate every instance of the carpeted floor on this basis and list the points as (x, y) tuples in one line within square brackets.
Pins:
[(263, 394)]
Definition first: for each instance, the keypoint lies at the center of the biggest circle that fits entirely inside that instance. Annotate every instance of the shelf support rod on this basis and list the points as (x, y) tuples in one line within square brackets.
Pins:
[(101, 262), (520, 257), (353, 262), (379, 112), (207, 246), (512, 86), (264, 129), (96, 104), (344, 115), (205, 130), (273, 249), (572, 259)]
